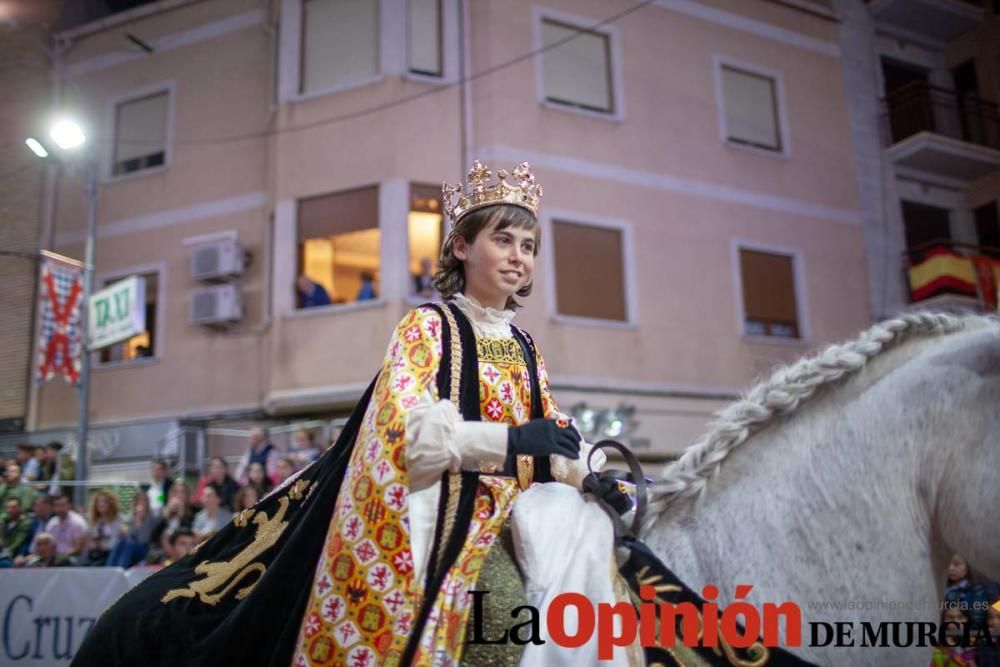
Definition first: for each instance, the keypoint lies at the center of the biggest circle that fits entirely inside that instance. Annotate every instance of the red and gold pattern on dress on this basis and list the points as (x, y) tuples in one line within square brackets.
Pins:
[(363, 601)]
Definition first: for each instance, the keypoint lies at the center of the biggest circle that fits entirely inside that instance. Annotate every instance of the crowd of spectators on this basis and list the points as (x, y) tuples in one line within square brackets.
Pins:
[(166, 516), (967, 610)]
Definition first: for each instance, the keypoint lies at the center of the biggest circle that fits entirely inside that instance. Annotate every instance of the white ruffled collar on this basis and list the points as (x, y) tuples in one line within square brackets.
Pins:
[(485, 321)]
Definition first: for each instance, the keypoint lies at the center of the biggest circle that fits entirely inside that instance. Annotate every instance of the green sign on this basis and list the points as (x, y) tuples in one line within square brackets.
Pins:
[(117, 313)]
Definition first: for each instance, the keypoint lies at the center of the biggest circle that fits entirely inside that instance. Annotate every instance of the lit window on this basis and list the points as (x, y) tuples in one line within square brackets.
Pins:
[(425, 233), (424, 33), (339, 241), (339, 43), (582, 291), (751, 108), (577, 72), (143, 345), (140, 134), (769, 294)]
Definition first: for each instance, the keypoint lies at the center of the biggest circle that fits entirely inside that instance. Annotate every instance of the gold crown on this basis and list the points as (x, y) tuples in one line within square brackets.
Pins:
[(524, 192)]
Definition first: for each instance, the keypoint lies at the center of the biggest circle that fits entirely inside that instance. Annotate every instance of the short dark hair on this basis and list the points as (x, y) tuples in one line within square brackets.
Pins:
[(159, 462), (180, 532), (59, 495), (450, 276), (55, 444)]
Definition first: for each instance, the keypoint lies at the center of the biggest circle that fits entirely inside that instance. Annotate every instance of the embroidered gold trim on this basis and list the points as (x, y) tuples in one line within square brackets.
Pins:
[(456, 354), (500, 350), (221, 577)]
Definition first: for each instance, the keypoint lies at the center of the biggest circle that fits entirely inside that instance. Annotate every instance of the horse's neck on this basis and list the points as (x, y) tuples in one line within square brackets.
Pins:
[(807, 511)]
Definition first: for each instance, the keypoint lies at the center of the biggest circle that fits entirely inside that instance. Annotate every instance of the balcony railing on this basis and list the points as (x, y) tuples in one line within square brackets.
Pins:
[(922, 107), (943, 268)]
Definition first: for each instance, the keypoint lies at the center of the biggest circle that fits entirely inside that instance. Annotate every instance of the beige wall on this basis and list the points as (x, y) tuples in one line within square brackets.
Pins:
[(660, 171)]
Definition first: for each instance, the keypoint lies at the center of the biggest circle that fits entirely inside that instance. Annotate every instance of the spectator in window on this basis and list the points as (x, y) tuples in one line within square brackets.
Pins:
[(179, 545), (963, 592), (14, 487), (133, 547), (44, 553), (25, 458), (304, 448), (159, 488), (311, 293), (246, 498), (106, 527), (261, 451), (423, 282), (48, 468), (212, 516), (68, 529), (257, 480), (367, 291), (218, 478), (15, 529)]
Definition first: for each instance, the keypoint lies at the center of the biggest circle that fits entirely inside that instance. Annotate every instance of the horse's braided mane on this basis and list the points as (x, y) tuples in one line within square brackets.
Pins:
[(782, 393)]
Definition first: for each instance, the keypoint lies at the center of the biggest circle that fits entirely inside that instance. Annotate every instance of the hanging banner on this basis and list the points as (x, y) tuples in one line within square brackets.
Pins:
[(60, 342), (117, 313)]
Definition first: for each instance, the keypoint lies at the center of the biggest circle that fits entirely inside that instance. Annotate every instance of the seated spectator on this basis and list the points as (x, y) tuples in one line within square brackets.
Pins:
[(246, 498), (259, 480), (106, 527), (133, 547), (262, 451), (212, 517), (41, 513), (218, 478), (25, 458), (159, 488), (963, 592), (179, 545), (989, 656), (956, 655), (304, 448), (311, 293), (285, 470), (14, 487), (44, 553), (68, 529), (48, 468), (15, 529), (177, 514)]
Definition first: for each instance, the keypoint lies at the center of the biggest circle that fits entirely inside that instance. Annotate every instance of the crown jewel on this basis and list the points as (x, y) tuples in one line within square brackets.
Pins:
[(462, 198)]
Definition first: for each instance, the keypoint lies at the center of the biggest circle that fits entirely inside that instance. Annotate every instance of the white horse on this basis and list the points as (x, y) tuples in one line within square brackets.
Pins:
[(860, 494)]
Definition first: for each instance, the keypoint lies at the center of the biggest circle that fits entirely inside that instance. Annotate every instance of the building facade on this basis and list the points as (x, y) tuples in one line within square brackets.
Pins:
[(923, 82), (701, 219)]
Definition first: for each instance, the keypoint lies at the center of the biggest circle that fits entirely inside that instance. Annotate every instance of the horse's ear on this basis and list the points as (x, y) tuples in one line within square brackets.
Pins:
[(981, 355)]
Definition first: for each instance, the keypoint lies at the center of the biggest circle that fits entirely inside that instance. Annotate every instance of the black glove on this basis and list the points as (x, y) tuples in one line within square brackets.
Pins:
[(542, 437), (607, 489)]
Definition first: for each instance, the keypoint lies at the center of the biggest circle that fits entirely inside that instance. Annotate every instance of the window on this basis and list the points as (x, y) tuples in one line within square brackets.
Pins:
[(425, 233), (926, 227), (988, 228), (339, 241), (582, 291), (424, 36), (750, 107), (145, 344), (577, 72), (339, 43), (769, 305), (140, 134)]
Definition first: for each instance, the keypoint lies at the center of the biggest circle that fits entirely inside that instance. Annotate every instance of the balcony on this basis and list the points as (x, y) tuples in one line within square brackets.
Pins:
[(942, 20), (952, 276), (934, 130)]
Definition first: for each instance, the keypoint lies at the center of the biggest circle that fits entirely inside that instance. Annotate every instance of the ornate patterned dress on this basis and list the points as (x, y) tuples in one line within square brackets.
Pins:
[(370, 580)]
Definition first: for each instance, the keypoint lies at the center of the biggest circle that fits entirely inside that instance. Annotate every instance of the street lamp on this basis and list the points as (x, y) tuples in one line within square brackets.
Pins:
[(67, 145)]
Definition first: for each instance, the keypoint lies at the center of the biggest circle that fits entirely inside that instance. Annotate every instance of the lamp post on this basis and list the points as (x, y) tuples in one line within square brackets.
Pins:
[(67, 138)]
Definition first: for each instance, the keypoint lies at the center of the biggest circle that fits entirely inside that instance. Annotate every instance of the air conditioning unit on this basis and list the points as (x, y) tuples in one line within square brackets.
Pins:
[(218, 261), (216, 305)]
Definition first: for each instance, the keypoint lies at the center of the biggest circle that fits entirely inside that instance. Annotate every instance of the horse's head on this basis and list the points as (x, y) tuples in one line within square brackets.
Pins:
[(966, 497)]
